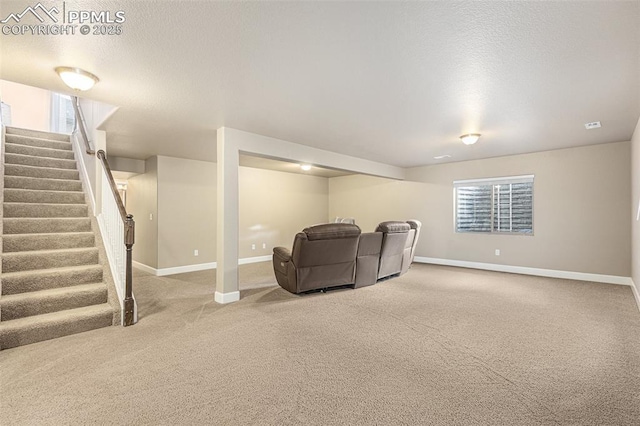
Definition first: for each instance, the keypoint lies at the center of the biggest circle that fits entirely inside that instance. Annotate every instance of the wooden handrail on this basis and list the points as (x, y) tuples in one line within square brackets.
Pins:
[(81, 124), (112, 183)]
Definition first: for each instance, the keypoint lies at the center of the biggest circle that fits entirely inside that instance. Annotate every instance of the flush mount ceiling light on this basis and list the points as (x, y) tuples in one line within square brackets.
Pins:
[(305, 167), (76, 78), (470, 138)]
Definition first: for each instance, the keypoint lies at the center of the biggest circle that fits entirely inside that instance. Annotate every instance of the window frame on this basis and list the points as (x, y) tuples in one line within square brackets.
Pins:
[(492, 182)]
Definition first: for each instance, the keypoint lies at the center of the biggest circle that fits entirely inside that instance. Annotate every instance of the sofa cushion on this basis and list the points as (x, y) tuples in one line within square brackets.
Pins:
[(393, 227), (332, 231)]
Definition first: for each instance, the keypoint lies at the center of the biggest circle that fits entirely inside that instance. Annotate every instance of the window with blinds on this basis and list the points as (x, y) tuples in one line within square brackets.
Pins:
[(497, 205)]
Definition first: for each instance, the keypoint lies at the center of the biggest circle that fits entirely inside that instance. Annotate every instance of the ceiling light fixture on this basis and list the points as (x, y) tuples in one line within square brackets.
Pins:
[(305, 167), (76, 78), (470, 138)]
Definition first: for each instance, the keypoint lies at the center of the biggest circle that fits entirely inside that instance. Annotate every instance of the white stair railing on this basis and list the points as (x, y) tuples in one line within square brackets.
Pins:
[(118, 230), (116, 226)]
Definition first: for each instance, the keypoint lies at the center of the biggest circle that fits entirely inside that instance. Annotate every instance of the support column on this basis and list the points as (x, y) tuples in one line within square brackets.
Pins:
[(227, 220)]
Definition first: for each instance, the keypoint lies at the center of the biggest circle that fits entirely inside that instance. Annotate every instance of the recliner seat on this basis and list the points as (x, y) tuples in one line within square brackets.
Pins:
[(322, 256), (394, 241)]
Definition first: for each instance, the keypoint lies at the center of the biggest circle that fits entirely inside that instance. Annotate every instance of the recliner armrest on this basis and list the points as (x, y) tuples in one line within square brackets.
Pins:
[(282, 253), (283, 268)]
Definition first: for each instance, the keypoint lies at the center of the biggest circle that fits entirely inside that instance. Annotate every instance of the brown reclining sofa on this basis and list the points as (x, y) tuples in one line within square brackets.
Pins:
[(338, 254)]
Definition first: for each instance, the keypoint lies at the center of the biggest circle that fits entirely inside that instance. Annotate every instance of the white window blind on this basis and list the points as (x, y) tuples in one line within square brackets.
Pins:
[(496, 205)]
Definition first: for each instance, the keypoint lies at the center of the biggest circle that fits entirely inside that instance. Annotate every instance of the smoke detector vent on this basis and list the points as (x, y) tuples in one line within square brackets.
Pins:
[(592, 125)]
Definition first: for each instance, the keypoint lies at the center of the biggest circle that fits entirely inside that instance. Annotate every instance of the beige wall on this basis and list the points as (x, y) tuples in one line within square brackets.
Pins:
[(186, 212), (142, 201), (635, 206), (581, 205), (94, 113), (126, 165), (181, 194), (30, 106), (274, 206), (371, 200)]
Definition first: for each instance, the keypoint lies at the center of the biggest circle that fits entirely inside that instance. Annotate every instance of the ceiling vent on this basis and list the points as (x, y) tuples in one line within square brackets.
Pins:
[(592, 125)]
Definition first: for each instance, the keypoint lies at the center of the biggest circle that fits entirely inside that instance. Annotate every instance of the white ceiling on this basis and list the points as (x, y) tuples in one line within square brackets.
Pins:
[(289, 167), (392, 82)]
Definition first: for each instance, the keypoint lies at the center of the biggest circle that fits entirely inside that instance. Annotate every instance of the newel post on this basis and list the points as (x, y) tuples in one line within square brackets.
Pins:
[(129, 239)]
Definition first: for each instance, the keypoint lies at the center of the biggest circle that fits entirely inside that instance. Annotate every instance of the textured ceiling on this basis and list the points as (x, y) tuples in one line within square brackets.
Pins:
[(285, 166), (392, 82)]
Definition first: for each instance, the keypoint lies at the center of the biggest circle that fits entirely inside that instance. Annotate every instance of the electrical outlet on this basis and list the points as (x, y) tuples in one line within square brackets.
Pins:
[(264, 245), (497, 252), (195, 252), (253, 246)]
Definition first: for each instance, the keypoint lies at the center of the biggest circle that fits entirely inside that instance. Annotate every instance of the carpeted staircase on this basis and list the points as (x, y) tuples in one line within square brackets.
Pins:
[(52, 280)]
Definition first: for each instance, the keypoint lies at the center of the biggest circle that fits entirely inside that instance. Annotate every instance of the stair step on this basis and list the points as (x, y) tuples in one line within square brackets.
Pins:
[(22, 182), (37, 328), (29, 242), (35, 151), (46, 301), (44, 279), (38, 142), (38, 134), (29, 225), (37, 196), (47, 259), (51, 282), (45, 210), (40, 172), (30, 160)]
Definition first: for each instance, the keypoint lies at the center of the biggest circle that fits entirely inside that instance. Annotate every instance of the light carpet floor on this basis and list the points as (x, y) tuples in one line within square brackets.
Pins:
[(438, 346)]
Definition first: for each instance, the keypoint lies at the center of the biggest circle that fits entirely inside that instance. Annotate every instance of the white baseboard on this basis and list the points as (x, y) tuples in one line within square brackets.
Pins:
[(223, 298), (230, 297), (256, 259), (161, 272), (552, 273), (187, 268), (634, 290), (145, 268)]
